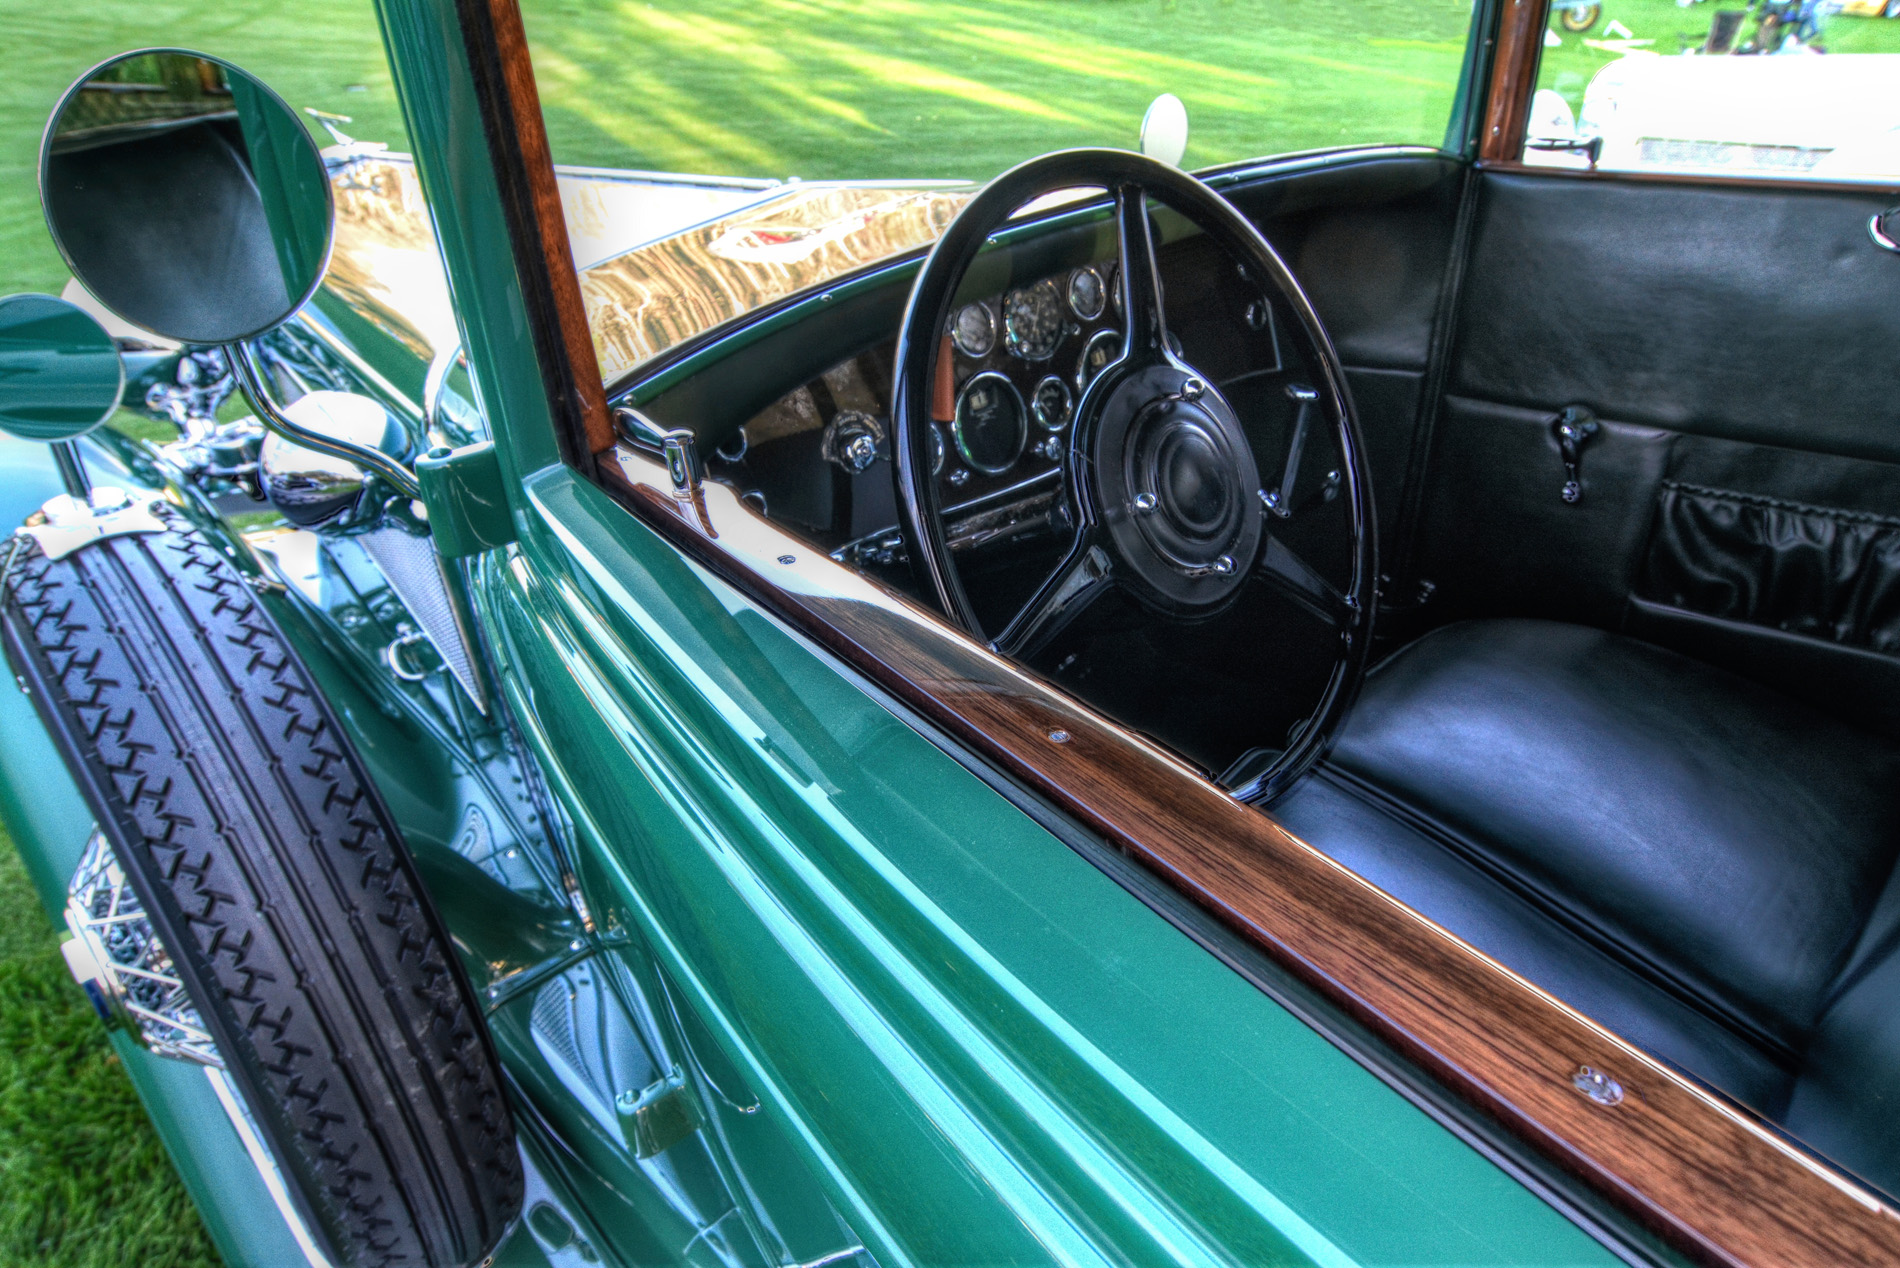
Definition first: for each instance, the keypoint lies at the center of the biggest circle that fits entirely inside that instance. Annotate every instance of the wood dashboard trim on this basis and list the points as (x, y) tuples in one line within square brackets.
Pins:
[(1696, 1168)]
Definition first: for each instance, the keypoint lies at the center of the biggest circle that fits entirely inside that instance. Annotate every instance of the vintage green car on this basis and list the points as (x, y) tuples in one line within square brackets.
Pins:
[(1337, 710)]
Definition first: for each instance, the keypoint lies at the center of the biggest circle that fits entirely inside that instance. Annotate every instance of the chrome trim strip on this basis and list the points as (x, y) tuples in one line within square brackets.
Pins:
[(246, 1128), (1005, 494), (1022, 492)]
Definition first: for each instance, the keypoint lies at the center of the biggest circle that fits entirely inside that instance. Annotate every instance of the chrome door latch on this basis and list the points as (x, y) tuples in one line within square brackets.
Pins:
[(1573, 428)]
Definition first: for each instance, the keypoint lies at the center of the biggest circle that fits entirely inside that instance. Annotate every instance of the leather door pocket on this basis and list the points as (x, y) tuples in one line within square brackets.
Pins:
[(1817, 571)]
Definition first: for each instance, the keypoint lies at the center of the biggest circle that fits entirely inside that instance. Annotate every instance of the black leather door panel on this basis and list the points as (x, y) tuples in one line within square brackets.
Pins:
[(1763, 315), (1370, 240), (1499, 540), (1820, 571), (1744, 504)]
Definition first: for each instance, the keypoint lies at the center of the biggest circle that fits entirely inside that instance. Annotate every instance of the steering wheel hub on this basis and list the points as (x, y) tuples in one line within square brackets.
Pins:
[(1176, 480), (1194, 493)]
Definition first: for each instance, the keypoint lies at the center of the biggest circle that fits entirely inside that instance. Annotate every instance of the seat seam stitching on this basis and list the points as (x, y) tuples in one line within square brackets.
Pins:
[(1785, 1056)]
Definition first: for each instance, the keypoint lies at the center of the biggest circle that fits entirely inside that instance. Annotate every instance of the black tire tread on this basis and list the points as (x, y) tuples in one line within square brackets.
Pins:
[(311, 946)]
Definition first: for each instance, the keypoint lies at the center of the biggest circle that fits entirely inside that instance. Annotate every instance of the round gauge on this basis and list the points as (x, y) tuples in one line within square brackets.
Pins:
[(936, 449), (1032, 321), (973, 330), (1102, 349), (1088, 293), (1052, 404), (1115, 288), (991, 424)]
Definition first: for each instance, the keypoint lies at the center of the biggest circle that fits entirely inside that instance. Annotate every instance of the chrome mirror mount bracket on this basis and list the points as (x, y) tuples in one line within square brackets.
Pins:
[(250, 376)]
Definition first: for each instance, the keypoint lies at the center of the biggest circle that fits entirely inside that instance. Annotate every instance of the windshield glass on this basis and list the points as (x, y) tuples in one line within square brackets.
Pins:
[(721, 131)]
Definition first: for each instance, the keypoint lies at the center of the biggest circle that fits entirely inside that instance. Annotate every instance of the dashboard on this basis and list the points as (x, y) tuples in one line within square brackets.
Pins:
[(791, 412), (1013, 366), (1019, 362)]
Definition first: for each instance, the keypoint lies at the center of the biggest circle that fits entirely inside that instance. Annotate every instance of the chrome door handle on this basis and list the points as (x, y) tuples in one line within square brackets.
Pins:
[(1877, 230)]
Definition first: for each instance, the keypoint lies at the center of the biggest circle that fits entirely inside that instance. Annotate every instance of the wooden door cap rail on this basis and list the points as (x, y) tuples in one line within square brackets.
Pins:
[(1698, 1169)]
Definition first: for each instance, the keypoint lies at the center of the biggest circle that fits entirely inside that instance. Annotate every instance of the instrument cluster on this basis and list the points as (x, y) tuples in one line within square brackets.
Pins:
[(1019, 362)]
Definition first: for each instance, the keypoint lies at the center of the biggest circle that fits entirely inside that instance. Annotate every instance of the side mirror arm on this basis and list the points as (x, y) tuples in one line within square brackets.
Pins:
[(399, 477)]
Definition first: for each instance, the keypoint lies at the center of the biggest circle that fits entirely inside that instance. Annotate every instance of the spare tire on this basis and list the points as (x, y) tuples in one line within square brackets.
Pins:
[(275, 878)]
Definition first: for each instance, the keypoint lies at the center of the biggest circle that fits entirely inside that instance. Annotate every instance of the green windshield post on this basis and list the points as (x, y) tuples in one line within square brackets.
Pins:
[(436, 88), (1467, 106)]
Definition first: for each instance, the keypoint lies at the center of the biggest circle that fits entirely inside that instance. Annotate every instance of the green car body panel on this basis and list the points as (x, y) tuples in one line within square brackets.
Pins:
[(841, 996)]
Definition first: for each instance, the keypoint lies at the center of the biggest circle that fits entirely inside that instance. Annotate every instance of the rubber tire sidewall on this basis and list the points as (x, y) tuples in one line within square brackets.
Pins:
[(263, 856)]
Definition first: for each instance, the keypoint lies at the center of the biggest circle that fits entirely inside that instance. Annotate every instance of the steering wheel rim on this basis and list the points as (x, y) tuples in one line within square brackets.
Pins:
[(1206, 551)]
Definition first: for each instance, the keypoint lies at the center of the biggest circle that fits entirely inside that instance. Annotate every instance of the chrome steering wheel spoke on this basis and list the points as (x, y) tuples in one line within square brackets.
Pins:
[(1144, 312), (1283, 569)]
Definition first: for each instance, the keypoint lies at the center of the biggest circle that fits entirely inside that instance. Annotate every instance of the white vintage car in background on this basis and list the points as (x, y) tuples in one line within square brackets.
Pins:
[(1824, 117)]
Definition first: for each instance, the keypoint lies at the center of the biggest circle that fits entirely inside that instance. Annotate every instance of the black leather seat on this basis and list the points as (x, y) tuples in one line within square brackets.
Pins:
[(1704, 866)]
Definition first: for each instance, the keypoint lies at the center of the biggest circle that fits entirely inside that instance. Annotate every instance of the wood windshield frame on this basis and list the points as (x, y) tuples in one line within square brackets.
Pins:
[(1698, 1169)]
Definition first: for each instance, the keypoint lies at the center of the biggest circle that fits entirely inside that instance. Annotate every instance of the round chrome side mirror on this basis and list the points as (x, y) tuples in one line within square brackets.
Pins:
[(186, 196)]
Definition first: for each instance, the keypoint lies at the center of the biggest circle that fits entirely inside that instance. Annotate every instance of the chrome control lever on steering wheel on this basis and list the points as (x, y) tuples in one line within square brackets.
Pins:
[(1280, 501)]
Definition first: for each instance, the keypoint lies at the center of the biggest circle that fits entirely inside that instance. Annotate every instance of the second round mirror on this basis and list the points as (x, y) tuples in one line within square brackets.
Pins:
[(186, 196)]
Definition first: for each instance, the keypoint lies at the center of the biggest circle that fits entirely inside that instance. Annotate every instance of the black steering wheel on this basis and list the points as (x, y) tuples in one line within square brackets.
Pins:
[(1160, 482)]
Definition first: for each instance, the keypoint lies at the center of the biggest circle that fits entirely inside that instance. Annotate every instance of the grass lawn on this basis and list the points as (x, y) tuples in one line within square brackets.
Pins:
[(965, 88), (84, 1182), (322, 53), (810, 88)]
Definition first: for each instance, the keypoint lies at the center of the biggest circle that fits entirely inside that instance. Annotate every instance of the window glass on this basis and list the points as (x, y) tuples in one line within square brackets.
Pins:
[(731, 98), (1778, 88)]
